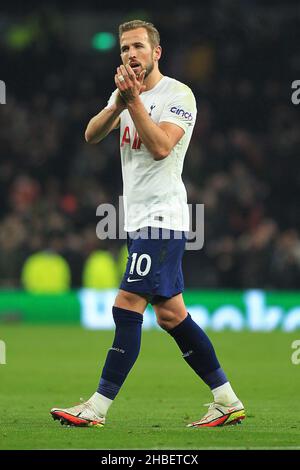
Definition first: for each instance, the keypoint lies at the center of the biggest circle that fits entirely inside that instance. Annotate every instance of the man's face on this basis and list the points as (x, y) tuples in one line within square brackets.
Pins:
[(137, 51)]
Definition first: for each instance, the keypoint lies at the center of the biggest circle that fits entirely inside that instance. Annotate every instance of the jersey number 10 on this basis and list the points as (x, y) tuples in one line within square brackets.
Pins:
[(137, 263)]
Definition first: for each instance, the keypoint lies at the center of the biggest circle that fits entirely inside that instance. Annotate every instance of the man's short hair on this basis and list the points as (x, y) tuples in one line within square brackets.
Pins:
[(153, 34)]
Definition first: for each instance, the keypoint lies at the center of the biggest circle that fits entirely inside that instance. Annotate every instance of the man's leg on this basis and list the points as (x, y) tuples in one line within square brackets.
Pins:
[(196, 348), (128, 312), (195, 345), (128, 317)]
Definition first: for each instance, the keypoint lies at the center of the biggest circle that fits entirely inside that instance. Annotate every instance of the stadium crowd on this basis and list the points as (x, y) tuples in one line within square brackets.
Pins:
[(243, 162)]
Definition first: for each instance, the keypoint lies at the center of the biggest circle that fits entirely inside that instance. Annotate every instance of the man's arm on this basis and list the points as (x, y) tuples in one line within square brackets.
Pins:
[(104, 122), (160, 138)]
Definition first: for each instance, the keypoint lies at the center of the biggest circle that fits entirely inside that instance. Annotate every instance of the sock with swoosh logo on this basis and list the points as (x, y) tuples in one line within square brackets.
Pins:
[(123, 353)]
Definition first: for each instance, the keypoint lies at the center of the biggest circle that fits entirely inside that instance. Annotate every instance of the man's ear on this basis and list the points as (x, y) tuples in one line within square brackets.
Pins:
[(157, 52)]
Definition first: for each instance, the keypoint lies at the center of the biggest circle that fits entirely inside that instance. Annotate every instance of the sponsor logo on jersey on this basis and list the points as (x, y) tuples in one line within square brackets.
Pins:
[(127, 139), (181, 112)]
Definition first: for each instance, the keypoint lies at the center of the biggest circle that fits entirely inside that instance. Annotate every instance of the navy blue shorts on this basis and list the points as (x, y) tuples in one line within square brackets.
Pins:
[(154, 263)]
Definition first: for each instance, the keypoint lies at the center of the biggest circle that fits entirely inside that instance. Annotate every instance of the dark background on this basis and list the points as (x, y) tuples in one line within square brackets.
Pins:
[(239, 58)]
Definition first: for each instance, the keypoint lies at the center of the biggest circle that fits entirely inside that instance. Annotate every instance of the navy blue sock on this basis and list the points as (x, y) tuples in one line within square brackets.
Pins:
[(123, 353), (198, 352)]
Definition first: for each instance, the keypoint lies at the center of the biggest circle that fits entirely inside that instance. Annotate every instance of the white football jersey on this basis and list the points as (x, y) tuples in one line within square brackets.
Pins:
[(154, 194)]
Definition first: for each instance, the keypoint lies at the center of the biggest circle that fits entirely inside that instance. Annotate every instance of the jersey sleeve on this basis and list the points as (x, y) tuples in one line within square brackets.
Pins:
[(112, 98), (110, 102), (180, 109)]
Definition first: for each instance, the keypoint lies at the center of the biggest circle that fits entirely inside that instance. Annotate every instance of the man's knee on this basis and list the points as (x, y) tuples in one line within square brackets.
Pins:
[(124, 296), (167, 319), (164, 323), (130, 301)]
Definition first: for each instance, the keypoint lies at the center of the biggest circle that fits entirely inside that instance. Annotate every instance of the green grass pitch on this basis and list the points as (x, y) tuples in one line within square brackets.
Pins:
[(50, 366)]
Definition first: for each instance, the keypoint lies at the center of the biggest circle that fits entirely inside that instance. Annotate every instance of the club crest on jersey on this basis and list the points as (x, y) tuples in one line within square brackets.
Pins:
[(127, 139), (151, 108)]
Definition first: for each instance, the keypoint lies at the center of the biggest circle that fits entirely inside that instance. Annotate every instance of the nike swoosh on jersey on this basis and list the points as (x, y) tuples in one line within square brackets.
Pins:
[(133, 280)]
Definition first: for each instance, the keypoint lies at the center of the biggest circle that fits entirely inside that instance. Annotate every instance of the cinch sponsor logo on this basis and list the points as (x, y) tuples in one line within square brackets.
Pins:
[(181, 112)]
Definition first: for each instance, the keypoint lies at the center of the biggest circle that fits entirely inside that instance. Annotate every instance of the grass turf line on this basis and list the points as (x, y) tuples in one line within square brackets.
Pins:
[(56, 365)]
